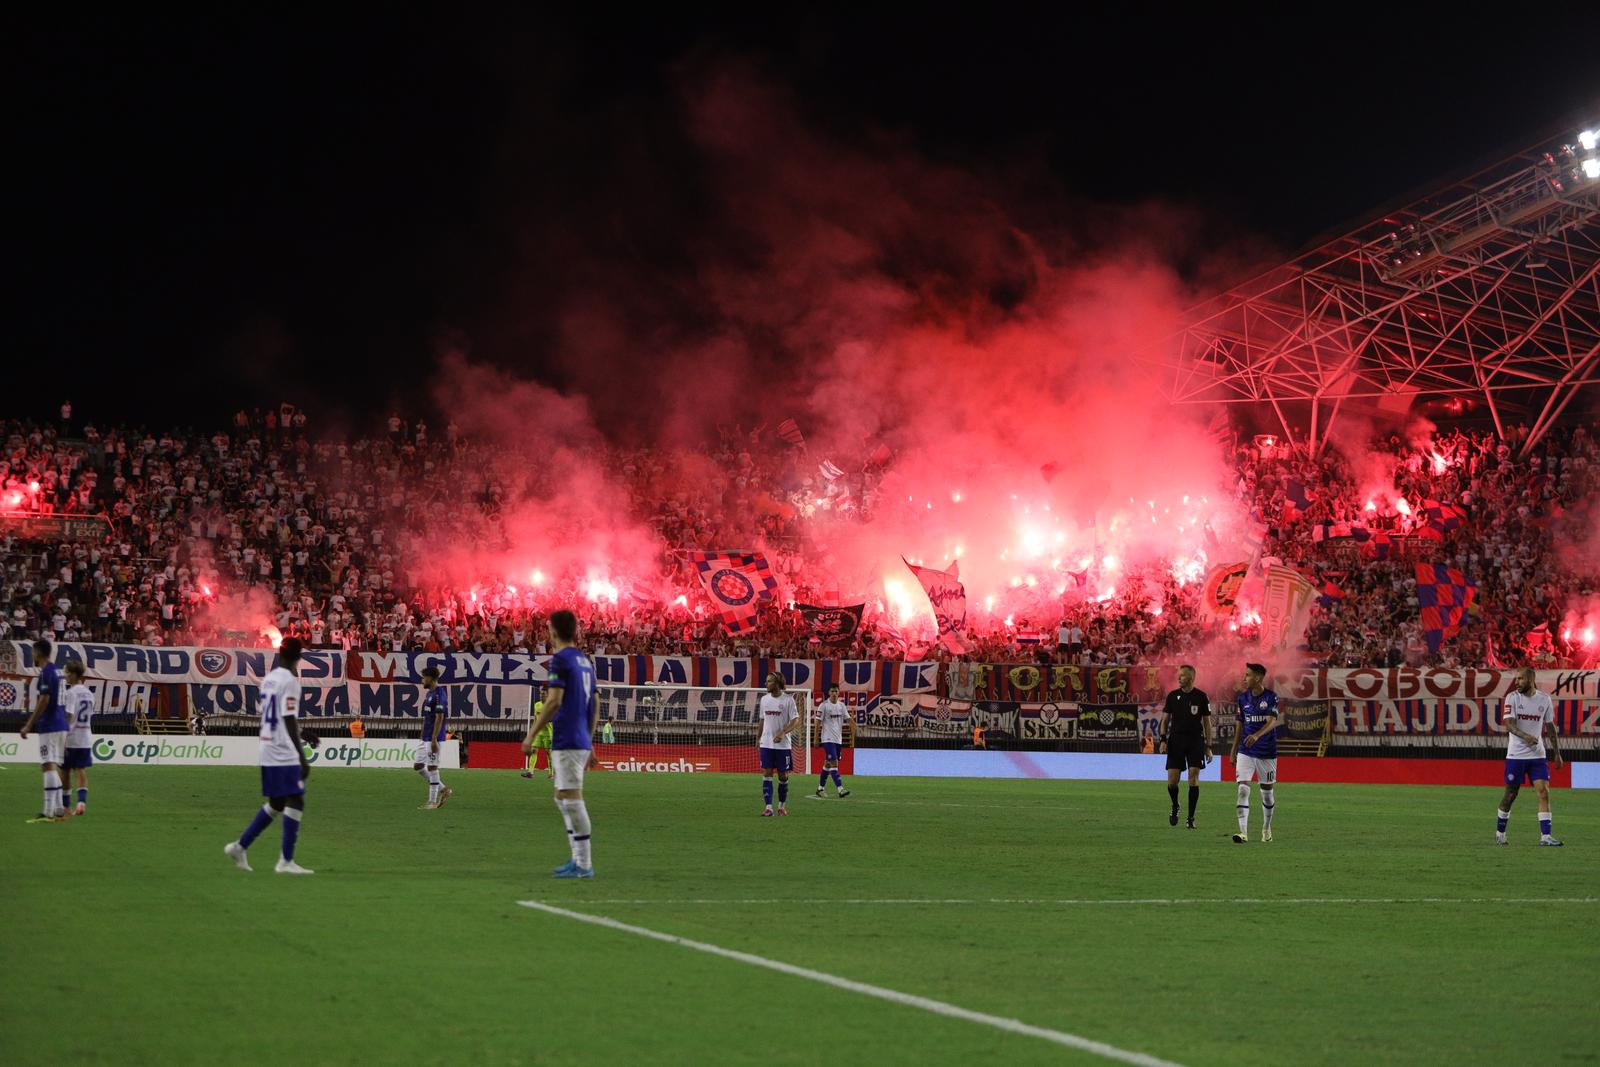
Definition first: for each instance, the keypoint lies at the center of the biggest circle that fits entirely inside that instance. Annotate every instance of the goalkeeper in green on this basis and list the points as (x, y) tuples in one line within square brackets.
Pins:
[(541, 740)]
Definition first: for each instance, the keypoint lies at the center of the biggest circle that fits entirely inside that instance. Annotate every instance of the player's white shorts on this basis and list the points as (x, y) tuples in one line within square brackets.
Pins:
[(53, 747), (1263, 770), (426, 756), (569, 764)]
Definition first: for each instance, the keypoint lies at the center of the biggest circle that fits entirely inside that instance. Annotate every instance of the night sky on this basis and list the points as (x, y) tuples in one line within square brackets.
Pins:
[(221, 213)]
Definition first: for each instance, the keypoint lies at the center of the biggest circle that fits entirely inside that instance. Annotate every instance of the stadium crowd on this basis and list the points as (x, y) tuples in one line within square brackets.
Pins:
[(205, 538)]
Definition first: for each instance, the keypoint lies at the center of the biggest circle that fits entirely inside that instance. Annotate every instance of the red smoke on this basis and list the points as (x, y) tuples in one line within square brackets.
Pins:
[(895, 308)]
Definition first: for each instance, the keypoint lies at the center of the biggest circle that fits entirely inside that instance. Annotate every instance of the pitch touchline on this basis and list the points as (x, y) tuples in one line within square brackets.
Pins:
[(1130, 901), (910, 1000)]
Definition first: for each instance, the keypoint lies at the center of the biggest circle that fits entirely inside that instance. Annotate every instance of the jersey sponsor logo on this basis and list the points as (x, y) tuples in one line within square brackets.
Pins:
[(213, 662)]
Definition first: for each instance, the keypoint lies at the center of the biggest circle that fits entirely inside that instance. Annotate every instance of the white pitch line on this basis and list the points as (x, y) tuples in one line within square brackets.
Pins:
[(910, 1000), (1083, 901)]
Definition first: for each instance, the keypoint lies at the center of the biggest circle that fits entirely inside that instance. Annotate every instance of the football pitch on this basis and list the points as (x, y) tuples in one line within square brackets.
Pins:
[(923, 922)]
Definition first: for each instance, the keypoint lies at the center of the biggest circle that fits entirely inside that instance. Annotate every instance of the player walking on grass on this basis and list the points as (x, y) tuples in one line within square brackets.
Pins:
[(51, 716), (80, 735), (1185, 731), (778, 719), (1255, 750), (1530, 722), (573, 705), (284, 764), (832, 714), (435, 723)]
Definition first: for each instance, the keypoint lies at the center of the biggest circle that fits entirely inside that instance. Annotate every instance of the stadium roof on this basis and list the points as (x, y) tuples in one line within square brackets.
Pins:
[(1487, 288)]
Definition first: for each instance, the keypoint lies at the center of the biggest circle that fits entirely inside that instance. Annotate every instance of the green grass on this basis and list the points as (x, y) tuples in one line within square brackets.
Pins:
[(131, 939)]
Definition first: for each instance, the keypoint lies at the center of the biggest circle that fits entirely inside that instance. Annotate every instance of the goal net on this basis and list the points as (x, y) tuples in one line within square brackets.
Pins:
[(686, 729)]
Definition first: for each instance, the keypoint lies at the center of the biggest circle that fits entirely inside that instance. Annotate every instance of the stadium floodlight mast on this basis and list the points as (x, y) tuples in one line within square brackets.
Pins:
[(1485, 290)]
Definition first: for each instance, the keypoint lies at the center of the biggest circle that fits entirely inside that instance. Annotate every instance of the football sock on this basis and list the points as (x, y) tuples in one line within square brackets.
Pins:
[(561, 806), (1501, 818), (822, 783), (1269, 801), (837, 784), (262, 820), (783, 792), (766, 791), (83, 795), (578, 812), (1244, 807), (52, 792), (291, 831), (1172, 791), (1194, 798), (1544, 824), (433, 793)]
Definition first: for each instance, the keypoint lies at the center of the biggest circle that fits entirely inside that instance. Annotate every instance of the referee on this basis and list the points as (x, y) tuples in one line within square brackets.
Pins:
[(1185, 731)]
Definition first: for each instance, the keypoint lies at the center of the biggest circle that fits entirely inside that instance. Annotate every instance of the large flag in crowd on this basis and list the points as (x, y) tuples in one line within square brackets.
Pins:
[(831, 624), (1287, 593), (1444, 594), (737, 582), (949, 599), (1222, 588)]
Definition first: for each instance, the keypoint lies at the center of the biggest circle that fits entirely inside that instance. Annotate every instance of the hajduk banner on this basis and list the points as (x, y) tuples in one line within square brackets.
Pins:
[(368, 701), (192, 665)]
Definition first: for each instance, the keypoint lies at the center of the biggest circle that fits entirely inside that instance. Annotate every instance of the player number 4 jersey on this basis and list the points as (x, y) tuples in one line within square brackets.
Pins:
[(776, 713), (278, 699), (833, 715), (1530, 714)]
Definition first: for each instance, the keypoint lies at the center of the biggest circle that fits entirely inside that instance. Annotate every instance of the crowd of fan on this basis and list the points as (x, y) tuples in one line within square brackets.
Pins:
[(323, 537)]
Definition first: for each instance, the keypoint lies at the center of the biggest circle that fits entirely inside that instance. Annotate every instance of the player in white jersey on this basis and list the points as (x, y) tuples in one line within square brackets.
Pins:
[(778, 718), (1530, 723), (831, 714), (284, 764), (80, 736)]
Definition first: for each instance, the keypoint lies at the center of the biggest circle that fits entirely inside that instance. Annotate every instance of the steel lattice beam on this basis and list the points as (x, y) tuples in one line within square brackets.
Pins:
[(1489, 288)]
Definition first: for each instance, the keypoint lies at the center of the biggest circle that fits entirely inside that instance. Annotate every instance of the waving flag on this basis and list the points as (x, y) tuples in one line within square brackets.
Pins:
[(789, 430), (831, 470), (1287, 593), (949, 599), (1443, 517), (831, 625), (737, 582), (1296, 501), (1444, 595), (1222, 588)]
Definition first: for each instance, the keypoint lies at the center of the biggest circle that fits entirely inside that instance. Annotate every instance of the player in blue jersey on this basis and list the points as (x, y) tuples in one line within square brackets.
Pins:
[(1530, 723), (435, 719), (51, 716), (1255, 749), (80, 736), (572, 704), (284, 764)]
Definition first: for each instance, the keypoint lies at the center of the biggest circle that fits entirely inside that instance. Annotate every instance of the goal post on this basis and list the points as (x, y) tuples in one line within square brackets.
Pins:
[(664, 728)]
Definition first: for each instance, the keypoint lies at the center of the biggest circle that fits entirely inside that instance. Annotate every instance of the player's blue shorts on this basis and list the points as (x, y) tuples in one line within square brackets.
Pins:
[(1529, 770), (78, 759), (777, 759), (282, 781), (830, 750)]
